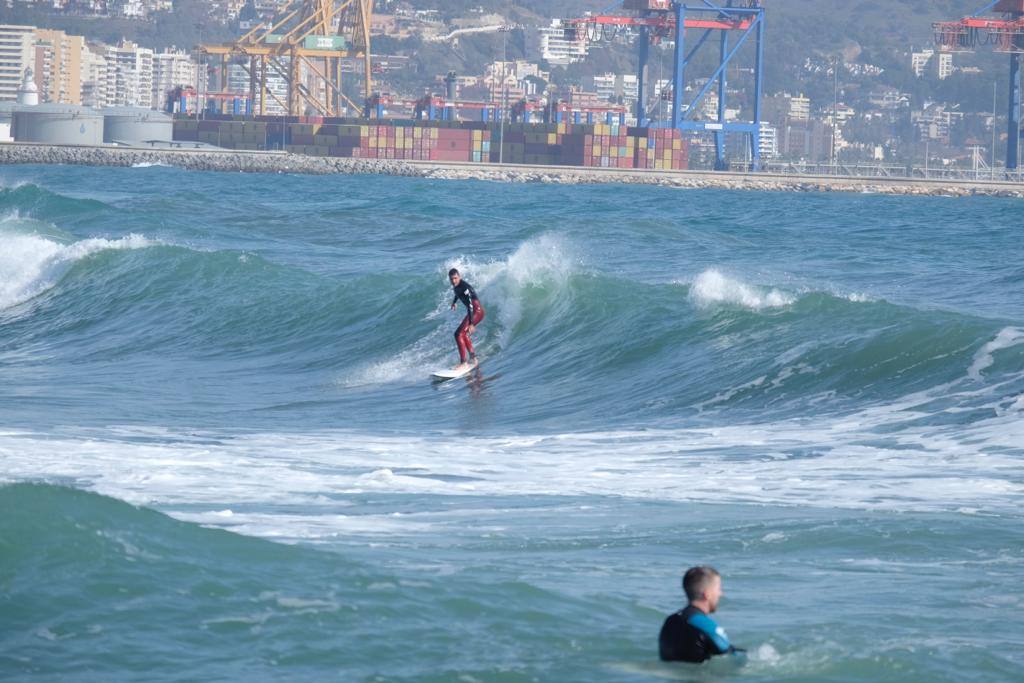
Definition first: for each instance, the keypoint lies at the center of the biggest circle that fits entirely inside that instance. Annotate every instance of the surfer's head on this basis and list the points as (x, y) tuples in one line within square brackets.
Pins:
[(703, 586), (454, 277)]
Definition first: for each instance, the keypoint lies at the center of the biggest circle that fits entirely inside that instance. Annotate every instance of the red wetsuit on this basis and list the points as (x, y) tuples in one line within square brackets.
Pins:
[(474, 314)]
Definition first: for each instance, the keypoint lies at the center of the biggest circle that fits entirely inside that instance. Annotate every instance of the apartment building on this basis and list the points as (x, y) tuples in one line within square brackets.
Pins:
[(942, 62), (94, 76), (129, 75), (615, 87), (17, 53), (58, 66), (170, 70), (561, 46)]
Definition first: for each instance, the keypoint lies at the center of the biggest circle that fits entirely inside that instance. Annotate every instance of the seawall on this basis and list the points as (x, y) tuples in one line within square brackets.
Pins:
[(280, 162)]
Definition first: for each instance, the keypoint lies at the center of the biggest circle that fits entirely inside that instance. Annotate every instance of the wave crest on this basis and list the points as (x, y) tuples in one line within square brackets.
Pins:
[(712, 288), (31, 264)]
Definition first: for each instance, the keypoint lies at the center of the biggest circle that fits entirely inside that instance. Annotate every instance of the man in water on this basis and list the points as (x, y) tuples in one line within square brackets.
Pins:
[(690, 635), (465, 293)]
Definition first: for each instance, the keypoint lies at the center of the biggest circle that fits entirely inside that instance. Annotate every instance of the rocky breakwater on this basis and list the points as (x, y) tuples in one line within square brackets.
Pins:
[(733, 181), (280, 162), (197, 160)]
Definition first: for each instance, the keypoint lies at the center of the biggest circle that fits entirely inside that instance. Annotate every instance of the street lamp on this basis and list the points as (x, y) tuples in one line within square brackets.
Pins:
[(199, 72), (504, 30), (992, 156), (835, 111)]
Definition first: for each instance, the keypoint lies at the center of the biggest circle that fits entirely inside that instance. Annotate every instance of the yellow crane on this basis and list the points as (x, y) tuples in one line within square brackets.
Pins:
[(305, 44)]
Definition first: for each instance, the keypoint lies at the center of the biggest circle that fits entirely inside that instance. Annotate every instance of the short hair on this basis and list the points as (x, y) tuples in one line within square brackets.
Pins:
[(453, 271), (697, 579)]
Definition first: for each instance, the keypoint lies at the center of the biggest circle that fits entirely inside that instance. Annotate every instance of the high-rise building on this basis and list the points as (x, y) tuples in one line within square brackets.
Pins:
[(277, 89), (941, 63), (768, 141), (58, 66), (919, 61), (16, 55), (616, 87), (94, 77), (945, 65), (561, 46), (129, 75), (170, 70)]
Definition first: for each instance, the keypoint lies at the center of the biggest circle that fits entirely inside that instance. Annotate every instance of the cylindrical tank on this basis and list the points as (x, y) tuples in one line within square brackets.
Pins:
[(58, 124), (6, 115), (136, 126)]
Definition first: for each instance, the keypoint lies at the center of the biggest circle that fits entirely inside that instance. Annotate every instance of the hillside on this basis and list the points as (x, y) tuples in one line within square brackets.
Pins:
[(877, 32)]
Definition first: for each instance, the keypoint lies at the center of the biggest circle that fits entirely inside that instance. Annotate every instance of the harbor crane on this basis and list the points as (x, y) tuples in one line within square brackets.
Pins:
[(1005, 34), (305, 44)]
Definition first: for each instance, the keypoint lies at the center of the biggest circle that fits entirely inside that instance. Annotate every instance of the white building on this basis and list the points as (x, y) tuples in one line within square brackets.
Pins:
[(799, 108), (945, 65), (277, 89), (920, 61), (613, 87), (170, 70), (17, 52), (769, 141), (129, 75), (94, 77), (559, 45)]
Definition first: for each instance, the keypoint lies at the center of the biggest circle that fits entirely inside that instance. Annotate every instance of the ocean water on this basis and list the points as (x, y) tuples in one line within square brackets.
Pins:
[(222, 458)]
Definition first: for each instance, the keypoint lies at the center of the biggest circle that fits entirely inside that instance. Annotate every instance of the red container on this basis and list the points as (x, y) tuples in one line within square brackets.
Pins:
[(451, 155)]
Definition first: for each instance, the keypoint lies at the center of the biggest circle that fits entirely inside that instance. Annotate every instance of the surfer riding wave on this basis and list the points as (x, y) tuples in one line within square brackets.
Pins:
[(465, 293)]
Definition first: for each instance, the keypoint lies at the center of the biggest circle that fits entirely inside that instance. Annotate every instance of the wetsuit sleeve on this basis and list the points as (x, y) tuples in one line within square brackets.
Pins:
[(715, 633)]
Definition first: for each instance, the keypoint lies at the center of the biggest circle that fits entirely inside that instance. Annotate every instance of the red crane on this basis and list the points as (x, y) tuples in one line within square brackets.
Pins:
[(1004, 34)]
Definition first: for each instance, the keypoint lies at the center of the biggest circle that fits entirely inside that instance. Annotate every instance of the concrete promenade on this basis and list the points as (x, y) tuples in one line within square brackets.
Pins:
[(280, 162)]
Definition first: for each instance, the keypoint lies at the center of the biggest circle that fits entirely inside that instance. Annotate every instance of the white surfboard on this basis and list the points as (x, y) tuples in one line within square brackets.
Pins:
[(453, 373)]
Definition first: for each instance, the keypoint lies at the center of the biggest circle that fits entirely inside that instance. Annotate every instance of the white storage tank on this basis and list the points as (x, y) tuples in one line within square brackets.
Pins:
[(6, 115), (58, 124), (136, 126)]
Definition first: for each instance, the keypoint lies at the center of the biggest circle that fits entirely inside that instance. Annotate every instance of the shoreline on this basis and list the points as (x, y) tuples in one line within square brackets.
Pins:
[(281, 162)]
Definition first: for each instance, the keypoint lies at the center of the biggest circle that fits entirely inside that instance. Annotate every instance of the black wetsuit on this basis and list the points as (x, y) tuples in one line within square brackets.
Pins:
[(689, 635), (465, 293)]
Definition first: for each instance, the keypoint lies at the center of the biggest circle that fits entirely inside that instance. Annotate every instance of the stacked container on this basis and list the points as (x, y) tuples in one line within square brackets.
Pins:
[(538, 144), (662, 149)]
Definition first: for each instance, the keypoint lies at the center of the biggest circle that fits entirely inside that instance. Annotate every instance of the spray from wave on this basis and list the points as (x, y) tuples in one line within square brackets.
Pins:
[(31, 264), (712, 288), (536, 273)]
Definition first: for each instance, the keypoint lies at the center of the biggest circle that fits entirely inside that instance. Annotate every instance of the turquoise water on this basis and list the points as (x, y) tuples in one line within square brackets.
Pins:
[(223, 458)]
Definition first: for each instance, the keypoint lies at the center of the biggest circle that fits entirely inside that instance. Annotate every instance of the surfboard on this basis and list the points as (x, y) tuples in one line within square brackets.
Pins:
[(451, 373)]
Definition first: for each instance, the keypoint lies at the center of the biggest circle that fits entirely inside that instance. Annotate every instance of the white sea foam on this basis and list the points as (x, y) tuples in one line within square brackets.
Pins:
[(411, 364), (30, 264), (983, 359), (547, 260), (713, 288), (299, 486)]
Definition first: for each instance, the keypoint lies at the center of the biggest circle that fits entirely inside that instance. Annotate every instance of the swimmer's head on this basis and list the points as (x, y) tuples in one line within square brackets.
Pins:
[(454, 277), (703, 586)]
